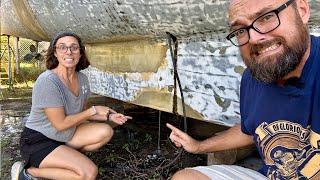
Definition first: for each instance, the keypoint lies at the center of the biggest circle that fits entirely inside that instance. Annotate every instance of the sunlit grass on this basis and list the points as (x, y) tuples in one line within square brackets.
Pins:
[(18, 90), (26, 65), (22, 83), (26, 84), (15, 93)]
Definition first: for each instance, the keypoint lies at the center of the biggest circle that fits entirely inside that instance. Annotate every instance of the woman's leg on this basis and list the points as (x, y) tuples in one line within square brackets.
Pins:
[(91, 136), (65, 163)]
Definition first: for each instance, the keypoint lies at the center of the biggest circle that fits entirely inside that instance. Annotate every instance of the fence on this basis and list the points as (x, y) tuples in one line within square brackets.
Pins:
[(19, 58)]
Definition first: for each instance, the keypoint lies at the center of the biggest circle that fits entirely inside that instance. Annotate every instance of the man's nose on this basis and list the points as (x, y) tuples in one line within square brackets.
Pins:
[(255, 36)]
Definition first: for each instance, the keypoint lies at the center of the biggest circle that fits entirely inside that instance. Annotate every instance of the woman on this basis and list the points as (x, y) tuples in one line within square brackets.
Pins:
[(57, 130)]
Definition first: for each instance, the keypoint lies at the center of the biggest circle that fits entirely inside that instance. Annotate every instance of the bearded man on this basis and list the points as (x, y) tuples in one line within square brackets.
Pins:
[(279, 95)]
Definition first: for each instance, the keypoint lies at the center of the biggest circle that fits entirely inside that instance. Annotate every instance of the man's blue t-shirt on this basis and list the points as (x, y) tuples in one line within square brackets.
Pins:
[(285, 121)]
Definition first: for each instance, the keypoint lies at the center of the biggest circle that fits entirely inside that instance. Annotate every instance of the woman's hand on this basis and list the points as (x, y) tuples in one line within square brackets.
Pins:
[(118, 118), (103, 111)]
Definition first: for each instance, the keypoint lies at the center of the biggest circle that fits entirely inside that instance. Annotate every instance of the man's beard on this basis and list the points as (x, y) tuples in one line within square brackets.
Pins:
[(275, 67)]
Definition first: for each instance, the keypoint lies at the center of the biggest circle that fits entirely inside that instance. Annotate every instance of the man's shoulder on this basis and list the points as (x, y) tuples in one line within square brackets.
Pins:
[(315, 41), (316, 38), (246, 74), (247, 77)]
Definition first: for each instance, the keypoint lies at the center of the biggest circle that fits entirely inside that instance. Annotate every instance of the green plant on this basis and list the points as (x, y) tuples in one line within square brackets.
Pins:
[(126, 147), (111, 158), (147, 137), (101, 170), (155, 175), (28, 72)]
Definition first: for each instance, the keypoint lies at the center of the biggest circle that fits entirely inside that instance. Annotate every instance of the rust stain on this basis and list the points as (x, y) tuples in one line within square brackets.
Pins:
[(146, 76), (123, 38), (125, 57)]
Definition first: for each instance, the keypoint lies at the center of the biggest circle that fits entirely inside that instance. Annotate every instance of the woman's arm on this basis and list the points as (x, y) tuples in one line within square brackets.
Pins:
[(98, 117), (61, 122)]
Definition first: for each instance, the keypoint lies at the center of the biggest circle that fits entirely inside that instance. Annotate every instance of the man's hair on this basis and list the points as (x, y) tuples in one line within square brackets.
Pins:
[(52, 61)]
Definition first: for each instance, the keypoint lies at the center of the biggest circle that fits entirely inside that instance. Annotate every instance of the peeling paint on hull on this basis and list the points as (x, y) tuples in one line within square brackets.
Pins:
[(208, 74)]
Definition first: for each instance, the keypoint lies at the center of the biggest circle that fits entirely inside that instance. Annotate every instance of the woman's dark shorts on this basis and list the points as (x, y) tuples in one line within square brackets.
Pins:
[(34, 147)]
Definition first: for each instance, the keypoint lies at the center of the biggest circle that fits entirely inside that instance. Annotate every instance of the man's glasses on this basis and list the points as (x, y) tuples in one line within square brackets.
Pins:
[(263, 24), (63, 48)]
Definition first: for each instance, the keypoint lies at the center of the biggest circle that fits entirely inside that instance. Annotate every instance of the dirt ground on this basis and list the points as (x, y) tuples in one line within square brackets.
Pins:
[(133, 152), (12, 113), (136, 151)]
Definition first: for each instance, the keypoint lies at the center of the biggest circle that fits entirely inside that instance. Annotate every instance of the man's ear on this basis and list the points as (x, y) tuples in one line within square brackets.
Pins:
[(304, 10)]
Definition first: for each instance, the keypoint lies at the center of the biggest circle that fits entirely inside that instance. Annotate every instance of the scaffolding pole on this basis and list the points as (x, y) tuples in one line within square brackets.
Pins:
[(17, 54), (10, 83)]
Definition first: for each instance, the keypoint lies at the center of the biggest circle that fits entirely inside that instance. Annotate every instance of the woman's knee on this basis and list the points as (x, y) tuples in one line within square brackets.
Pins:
[(106, 132), (88, 171), (91, 172)]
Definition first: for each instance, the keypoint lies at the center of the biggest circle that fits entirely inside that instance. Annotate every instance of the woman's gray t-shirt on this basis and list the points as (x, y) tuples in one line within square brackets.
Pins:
[(49, 91)]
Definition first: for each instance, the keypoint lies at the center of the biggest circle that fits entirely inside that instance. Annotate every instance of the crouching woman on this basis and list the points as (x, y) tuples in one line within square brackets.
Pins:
[(57, 130)]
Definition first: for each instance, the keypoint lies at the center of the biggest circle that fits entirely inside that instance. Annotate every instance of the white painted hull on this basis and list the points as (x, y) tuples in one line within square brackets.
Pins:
[(126, 43)]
